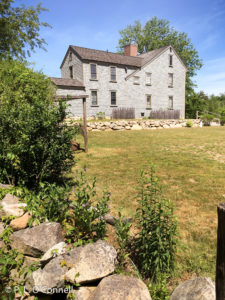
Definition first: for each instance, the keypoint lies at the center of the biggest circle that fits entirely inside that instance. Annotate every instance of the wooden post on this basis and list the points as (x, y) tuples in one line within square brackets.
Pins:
[(85, 125), (197, 114), (220, 260)]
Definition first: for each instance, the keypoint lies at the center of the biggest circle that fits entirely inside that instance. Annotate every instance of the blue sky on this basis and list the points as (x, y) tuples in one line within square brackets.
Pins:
[(95, 24)]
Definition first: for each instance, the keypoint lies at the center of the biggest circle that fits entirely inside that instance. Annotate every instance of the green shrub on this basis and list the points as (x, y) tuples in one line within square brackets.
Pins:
[(189, 123), (156, 241), (34, 145), (85, 219), (50, 202), (159, 291), (206, 119), (122, 227), (222, 116)]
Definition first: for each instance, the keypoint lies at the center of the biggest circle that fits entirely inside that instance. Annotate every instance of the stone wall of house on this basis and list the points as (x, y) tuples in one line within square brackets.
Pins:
[(137, 124), (128, 93), (77, 67)]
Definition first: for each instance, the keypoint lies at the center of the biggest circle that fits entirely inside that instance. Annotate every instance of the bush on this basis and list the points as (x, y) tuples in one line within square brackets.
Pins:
[(206, 119), (156, 241), (34, 145), (49, 202), (85, 219), (189, 123)]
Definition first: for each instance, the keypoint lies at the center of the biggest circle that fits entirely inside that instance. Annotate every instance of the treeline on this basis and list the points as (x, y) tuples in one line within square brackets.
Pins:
[(203, 104)]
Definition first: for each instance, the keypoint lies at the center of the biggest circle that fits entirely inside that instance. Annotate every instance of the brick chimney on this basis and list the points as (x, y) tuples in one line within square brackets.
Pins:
[(131, 50)]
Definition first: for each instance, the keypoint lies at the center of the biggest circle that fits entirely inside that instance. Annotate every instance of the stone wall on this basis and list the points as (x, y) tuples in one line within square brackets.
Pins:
[(138, 124)]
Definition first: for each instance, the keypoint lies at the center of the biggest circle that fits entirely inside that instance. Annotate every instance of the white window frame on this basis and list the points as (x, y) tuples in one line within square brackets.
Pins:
[(136, 80), (170, 107), (148, 75), (96, 77), (170, 80), (111, 98), (94, 104), (146, 98), (110, 70)]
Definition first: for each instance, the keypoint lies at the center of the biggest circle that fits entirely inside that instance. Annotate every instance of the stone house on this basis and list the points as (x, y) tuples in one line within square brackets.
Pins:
[(150, 81)]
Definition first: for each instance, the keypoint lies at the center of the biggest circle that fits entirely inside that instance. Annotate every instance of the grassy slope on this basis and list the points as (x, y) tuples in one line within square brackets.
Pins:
[(190, 165)]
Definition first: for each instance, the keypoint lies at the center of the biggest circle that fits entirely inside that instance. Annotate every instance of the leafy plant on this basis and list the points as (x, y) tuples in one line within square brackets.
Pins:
[(159, 291), (157, 237), (207, 118), (189, 123), (85, 219), (100, 115), (35, 145), (51, 202), (122, 227)]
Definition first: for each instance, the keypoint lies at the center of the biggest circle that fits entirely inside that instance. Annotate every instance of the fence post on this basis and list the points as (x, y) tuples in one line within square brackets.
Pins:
[(85, 125), (196, 114), (220, 260)]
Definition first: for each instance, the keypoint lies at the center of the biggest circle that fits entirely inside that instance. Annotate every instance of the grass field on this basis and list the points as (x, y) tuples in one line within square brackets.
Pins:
[(190, 163)]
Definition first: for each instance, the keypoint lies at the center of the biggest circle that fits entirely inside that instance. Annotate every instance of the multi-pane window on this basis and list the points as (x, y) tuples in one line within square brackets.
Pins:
[(71, 71), (94, 98), (113, 98), (148, 79), (170, 102), (93, 71), (170, 83), (170, 60), (136, 80), (148, 101), (113, 73)]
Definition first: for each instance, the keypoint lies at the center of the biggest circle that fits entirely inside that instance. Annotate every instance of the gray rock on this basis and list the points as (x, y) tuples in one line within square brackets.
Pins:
[(54, 251), (200, 288), (90, 262), (119, 287), (11, 206), (37, 240), (95, 261), (83, 292)]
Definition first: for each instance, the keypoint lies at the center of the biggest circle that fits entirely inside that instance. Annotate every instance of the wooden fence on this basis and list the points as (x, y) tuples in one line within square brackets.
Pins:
[(165, 114), (123, 113)]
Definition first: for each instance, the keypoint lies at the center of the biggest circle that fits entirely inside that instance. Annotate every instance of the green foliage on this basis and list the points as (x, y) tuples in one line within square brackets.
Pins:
[(35, 146), (189, 123), (207, 118), (158, 33), (159, 291), (19, 29), (100, 115), (122, 227), (49, 202), (222, 118), (156, 241), (85, 219)]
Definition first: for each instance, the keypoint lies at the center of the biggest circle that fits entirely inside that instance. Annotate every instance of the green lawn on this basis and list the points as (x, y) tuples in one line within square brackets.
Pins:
[(190, 165)]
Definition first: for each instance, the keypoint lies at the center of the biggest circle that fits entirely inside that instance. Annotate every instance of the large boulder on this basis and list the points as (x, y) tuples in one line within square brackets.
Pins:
[(119, 287), (82, 293), (11, 206), (37, 240), (81, 265), (200, 288)]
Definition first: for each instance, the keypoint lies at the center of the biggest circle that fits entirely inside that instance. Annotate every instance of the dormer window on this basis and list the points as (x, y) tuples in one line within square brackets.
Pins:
[(93, 71), (113, 73), (170, 60), (71, 72)]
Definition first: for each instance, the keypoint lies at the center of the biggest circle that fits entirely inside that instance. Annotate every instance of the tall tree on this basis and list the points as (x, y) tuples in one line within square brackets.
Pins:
[(19, 29), (158, 33)]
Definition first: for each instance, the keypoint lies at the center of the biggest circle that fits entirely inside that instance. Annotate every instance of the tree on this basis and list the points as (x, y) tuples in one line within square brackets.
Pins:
[(158, 33), (19, 30), (35, 145)]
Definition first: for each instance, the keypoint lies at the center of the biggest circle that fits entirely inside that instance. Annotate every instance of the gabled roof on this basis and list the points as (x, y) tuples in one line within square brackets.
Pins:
[(68, 82), (115, 58)]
